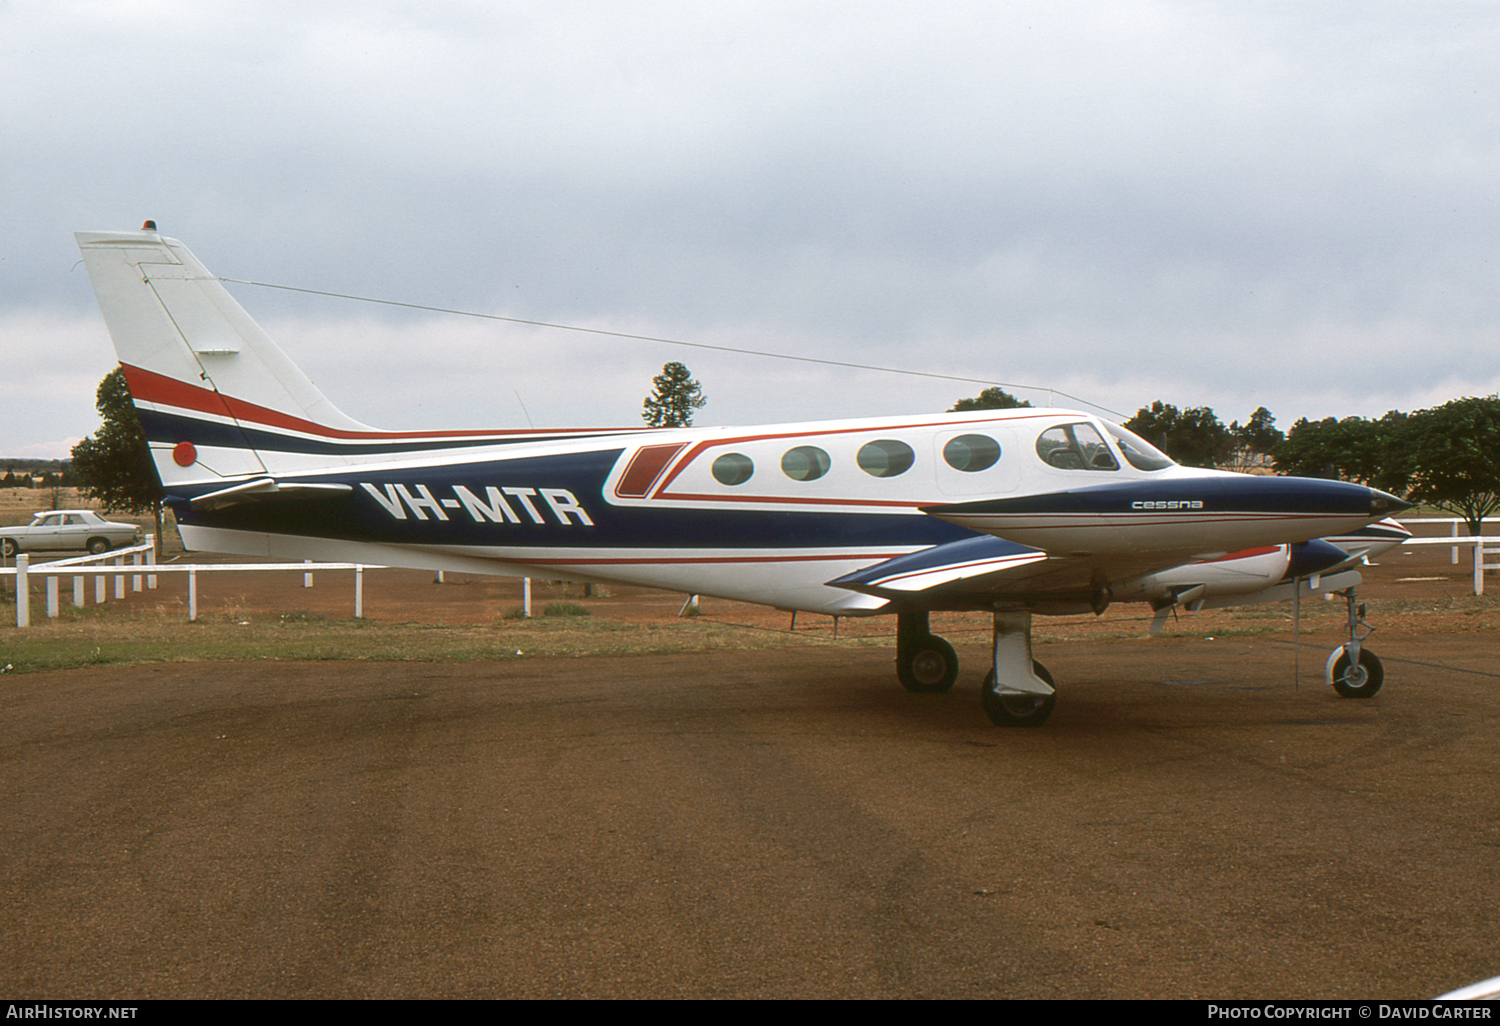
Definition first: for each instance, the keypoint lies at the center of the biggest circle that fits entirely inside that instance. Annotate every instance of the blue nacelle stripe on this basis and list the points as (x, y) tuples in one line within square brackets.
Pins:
[(1311, 557)]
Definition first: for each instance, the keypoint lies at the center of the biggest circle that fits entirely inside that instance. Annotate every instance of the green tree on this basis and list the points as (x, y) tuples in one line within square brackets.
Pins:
[(1452, 454), (1193, 437), (674, 398), (989, 399), (1255, 440), (1369, 452), (114, 466)]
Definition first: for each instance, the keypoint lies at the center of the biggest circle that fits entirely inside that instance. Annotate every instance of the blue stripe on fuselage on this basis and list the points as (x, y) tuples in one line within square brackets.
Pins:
[(1236, 493), (371, 514)]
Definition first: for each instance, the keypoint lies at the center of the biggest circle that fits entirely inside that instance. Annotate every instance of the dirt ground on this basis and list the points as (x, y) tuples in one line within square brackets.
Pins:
[(1192, 822)]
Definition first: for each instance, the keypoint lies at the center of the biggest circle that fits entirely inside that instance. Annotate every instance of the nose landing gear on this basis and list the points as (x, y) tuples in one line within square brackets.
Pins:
[(1354, 671)]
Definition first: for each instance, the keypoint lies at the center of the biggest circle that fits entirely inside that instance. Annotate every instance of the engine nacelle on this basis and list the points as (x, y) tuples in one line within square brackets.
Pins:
[(1238, 573)]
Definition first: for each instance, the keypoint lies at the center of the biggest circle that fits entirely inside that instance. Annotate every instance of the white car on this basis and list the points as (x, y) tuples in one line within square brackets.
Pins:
[(67, 529)]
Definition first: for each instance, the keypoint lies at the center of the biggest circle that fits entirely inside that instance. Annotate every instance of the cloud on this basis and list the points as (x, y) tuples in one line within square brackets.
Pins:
[(1281, 205)]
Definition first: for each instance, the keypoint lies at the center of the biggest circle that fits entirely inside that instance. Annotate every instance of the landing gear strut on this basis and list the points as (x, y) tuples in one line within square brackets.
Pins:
[(1354, 671), (1018, 692), (925, 663)]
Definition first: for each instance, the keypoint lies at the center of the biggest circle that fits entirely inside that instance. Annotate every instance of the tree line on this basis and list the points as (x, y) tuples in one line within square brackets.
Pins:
[(1447, 457)]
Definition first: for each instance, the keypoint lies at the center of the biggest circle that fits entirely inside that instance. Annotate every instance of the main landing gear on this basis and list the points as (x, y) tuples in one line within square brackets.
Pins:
[(1017, 692), (1353, 670), (925, 663)]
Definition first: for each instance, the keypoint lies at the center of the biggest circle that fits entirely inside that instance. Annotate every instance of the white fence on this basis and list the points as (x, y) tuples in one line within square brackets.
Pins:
[(1483, 546), (143, 568)]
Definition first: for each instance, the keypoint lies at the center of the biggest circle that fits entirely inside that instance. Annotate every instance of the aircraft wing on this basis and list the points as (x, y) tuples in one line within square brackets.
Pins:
[(970, 566)]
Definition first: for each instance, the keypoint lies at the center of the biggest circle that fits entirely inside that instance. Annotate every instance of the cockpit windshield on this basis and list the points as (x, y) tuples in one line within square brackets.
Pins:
[(1138, 452)]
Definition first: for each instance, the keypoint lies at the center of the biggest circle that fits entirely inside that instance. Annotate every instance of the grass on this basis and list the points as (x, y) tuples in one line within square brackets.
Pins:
[(565, 609), (101, 636)]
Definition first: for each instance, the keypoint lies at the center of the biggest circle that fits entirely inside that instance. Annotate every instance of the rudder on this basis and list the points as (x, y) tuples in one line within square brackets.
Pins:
[(208, 383)]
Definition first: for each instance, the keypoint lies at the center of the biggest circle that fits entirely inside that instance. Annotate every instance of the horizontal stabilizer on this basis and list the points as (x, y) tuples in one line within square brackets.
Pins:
[(959, 567), (266, 489)]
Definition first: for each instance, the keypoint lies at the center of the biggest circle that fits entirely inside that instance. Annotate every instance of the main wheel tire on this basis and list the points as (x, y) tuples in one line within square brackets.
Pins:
[(1361, 681), (98, 545), (929, 667), (1013, 710), (7, 547)]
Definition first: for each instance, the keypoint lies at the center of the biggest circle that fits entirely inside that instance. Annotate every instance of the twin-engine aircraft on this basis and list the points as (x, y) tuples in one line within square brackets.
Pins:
[(1014, 512)]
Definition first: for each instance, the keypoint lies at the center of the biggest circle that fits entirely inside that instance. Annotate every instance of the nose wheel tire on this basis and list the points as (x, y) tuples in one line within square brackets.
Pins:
[(1355, 681), (1014, 709)]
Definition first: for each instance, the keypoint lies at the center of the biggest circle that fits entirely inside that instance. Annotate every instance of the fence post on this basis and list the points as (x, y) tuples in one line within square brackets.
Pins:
[(119, 578), (526, 596), (359, 592), (78, 592), (151, 561), (307, 578), (23, 592), (135, 582), (52, 609), (1453, 552), (1479, 566), (192, 595)]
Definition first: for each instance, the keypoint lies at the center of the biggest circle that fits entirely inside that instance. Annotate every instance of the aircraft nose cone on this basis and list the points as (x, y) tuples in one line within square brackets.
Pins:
[(1383, 504)]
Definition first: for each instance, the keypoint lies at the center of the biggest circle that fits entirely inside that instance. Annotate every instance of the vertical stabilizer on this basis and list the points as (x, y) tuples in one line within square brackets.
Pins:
[(216, 396)]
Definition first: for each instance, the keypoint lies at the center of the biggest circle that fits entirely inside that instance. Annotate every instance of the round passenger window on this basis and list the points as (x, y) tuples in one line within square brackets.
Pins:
[(804, 463), (885, 457), (733, 468), (971, 453)]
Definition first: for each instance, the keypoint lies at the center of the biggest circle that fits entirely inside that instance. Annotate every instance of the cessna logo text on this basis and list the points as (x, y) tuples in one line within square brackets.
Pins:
[(496, 506), (1167, 504)]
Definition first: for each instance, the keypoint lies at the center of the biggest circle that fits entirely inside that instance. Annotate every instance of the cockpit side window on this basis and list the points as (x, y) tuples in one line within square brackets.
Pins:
[(1075, 447), (1138, 452)]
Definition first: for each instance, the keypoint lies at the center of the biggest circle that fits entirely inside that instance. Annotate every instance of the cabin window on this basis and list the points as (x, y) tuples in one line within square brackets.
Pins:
[(885, 457), (805, 463), (1075, 447), (971, 453), (733, 468)]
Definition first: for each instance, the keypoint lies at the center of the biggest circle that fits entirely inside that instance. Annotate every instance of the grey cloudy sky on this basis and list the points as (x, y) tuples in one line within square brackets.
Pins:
[(1281, 204)]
